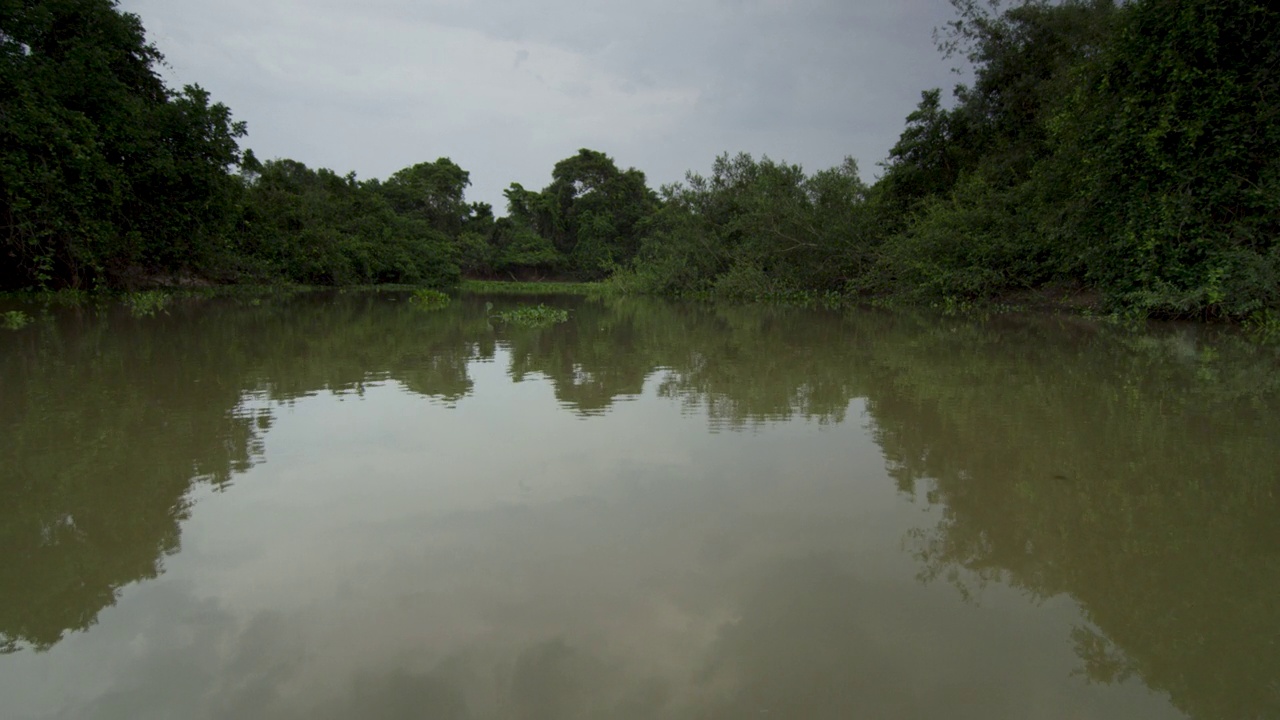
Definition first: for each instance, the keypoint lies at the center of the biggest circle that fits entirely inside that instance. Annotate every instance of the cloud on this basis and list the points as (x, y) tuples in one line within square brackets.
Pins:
[(664, 86)]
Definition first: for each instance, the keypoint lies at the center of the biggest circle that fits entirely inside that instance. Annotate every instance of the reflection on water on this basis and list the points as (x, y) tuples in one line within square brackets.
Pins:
[(343, 506)]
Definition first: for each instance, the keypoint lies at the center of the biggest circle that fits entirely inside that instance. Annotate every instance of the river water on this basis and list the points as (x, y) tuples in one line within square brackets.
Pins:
[(346, 506)]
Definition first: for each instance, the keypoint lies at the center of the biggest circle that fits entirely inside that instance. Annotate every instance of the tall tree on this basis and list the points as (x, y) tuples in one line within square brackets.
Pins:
[(600, 209), (433, 192), (106, 173)]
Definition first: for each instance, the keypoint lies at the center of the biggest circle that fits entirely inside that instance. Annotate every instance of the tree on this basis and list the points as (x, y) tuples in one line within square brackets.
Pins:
[(1181, 127), (592, 214), (973, 198), (756, 228), (432, 192), (315, 226), (601, 210), (107, 174)]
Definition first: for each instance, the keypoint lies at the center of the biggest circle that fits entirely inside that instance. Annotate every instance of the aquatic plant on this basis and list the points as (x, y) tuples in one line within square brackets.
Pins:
[(533, 316), (429, 299), (146, 303), (14, 320)]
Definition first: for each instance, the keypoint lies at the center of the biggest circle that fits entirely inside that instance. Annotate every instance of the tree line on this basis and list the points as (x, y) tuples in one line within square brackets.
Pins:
[(1125, 149)]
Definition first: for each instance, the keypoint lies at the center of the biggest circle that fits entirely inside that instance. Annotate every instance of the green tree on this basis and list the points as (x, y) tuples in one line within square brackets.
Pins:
[(755, 229), (432, 192), (592, 214), (107, 175), (926, 160), (602, 210), (315, 226), (1179, 134)]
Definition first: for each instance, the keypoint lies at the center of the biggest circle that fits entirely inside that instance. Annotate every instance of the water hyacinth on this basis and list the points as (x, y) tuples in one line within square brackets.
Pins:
[(428, 299), (14, 320), (534, 316)]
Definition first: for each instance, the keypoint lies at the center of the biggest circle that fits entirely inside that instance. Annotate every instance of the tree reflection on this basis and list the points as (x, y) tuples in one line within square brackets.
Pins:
[(1134, 472), (107, 422)]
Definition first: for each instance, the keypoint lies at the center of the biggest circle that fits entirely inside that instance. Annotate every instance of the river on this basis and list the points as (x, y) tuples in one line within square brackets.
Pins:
[(343, 505)]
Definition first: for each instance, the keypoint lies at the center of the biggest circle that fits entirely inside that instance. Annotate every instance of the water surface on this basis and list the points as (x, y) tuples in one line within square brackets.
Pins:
[(343, 506)]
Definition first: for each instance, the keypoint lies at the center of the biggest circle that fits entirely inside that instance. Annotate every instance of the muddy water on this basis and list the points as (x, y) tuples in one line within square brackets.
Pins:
[(344, 506)]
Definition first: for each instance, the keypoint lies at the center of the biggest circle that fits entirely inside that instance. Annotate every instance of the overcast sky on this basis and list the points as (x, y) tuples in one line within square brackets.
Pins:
[(506, 88)]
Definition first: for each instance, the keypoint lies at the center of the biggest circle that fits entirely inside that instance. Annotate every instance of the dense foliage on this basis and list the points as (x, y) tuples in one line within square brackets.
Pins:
[(587, 221), (110, 179), (1129, 151), (755, 229), (314, 226), (104, 170)]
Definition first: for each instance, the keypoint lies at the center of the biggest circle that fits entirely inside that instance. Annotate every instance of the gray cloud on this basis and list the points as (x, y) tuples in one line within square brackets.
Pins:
[(663, 86)]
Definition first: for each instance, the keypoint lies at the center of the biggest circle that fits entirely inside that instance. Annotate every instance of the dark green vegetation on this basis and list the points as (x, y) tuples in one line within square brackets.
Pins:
[(1132, 151), (430, 299), (1124, 154), (105, 171), (1133, 472), (14, 319), (533, 316), (111, 180)]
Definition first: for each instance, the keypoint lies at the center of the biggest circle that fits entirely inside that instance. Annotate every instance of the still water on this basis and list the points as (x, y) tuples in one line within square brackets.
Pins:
[(344, 506)]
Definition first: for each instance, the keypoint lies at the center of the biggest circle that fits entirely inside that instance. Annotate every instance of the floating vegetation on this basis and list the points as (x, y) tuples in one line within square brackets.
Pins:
[(533, 316), (146, 303), (14, 320), (429, 299)]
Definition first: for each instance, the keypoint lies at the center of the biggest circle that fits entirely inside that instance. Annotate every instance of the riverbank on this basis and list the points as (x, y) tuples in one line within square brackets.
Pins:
[(1064, 300)]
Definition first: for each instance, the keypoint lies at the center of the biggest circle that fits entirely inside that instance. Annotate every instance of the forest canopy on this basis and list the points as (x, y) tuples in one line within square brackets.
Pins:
[(1125, 150)]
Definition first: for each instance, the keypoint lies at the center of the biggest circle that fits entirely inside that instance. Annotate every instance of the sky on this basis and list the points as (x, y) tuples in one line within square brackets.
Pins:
[(507, 88)]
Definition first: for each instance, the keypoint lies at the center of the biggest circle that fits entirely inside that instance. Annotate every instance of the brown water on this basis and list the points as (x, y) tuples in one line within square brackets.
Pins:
[(344, 506)]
